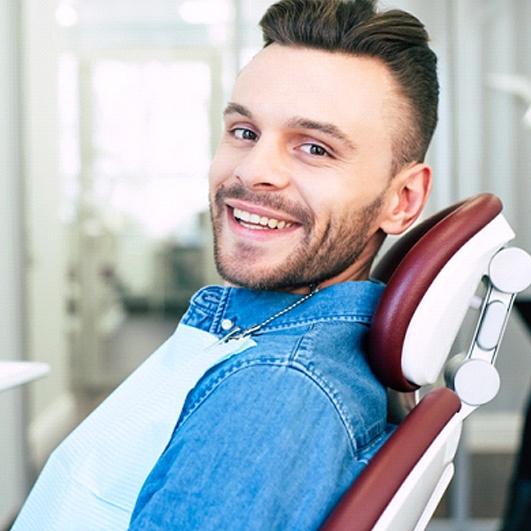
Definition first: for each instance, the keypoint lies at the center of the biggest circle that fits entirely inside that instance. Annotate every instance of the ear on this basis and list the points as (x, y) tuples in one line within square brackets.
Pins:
[(408, 193)]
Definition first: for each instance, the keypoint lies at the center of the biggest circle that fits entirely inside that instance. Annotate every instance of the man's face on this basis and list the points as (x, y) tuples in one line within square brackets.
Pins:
[(298, 184)]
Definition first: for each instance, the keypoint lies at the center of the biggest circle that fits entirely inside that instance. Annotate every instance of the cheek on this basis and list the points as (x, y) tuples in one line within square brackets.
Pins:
[(216, 172), (222, 166), (334, 208), (328, 200)]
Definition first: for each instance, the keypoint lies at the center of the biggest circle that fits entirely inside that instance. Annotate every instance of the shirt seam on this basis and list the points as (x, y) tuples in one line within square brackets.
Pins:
[(272, 361), (219, 311), (332, 393), (317, 320)]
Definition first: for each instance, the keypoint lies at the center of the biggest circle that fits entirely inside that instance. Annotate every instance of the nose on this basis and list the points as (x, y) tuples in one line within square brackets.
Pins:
[(265, 166)]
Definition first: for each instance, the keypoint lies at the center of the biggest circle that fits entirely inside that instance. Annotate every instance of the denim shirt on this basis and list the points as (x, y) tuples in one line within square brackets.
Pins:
[(271, 438)]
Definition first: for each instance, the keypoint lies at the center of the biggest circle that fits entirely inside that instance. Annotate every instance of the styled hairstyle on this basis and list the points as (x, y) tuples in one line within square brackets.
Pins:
[(395, 37)]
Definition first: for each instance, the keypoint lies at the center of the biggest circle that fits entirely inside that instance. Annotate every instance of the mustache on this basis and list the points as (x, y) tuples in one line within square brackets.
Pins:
[(271, 200)]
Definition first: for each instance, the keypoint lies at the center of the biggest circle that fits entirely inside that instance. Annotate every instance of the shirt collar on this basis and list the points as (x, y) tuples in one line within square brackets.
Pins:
[(229, 307)]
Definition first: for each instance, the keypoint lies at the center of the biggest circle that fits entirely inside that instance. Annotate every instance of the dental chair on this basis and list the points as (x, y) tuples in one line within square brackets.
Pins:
[(455, 260)]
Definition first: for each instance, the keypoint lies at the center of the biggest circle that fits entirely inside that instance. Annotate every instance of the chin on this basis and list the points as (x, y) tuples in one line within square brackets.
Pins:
[(263, 280), (255, 282), (246, 270)]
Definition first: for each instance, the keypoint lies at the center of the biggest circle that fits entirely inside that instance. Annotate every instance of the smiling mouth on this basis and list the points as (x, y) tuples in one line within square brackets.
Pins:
[(256, 222)]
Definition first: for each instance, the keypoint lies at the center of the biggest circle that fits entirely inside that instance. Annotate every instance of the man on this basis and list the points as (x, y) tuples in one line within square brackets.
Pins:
[(321, 157)]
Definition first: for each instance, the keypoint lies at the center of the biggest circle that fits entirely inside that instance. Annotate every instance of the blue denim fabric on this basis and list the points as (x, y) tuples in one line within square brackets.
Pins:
[(271, 438)]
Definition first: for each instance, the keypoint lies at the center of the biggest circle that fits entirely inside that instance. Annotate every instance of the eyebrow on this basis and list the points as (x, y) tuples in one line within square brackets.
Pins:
[(324, 127), (236, 108), (329, 129)]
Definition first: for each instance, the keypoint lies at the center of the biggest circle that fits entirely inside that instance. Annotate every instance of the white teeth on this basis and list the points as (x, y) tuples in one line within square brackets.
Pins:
[(244, 216), (263, 221)]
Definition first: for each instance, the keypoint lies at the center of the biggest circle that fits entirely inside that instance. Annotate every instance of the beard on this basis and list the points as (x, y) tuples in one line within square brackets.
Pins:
[(317, 258)]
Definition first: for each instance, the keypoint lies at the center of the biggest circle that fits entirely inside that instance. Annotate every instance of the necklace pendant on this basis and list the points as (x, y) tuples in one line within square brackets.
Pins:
[(238, 334), (233, 334), (233, 343)]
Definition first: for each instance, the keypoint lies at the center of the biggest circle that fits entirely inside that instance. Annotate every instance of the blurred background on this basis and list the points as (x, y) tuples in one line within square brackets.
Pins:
[(110, 111)]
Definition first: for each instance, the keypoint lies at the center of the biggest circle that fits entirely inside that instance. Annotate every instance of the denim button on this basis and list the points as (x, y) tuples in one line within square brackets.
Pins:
[(226, 324)]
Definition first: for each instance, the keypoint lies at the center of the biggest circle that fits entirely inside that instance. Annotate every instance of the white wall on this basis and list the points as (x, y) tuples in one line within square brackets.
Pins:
[(46, 238), (481, 144), (12, 447), (32, 261)]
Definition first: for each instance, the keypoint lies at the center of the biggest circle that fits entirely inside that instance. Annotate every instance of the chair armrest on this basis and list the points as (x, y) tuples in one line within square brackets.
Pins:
[(374, 488)]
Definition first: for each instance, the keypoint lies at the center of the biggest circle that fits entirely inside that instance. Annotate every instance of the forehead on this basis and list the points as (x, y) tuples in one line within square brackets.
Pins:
[(288, 81)]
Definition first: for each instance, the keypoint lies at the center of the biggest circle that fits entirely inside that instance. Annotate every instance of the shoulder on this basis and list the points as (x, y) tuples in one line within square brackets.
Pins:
[(263, 436), (258, 385), (320, 373)]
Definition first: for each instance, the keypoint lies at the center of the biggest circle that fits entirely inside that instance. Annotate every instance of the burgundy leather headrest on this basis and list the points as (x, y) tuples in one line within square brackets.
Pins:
[(409, 268)]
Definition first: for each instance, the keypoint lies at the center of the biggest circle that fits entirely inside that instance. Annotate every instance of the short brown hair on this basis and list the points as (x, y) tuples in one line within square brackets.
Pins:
[(355, 27)]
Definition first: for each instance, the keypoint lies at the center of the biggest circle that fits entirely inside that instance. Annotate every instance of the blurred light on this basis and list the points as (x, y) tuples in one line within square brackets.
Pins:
[(66, 16), (205, 12)]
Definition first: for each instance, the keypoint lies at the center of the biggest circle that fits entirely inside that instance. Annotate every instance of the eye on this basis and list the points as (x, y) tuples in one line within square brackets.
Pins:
[(244, 134), (315, 150)]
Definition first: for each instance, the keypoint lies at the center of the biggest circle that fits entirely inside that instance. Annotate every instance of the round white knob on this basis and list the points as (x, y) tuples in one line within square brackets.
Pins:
[(510, 270), (477, 382)]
